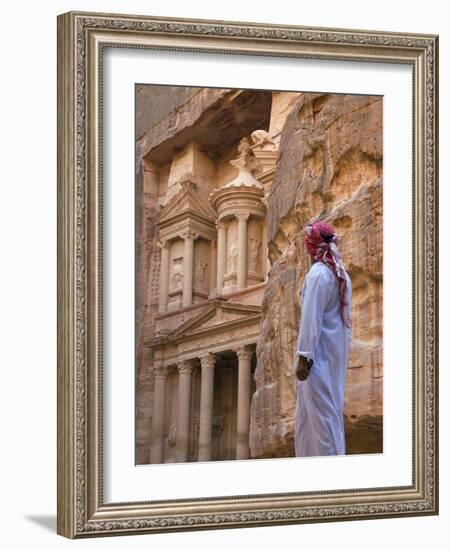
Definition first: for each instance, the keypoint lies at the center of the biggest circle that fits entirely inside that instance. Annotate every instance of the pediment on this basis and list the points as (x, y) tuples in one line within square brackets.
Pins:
[(218, 314), (188, 201)]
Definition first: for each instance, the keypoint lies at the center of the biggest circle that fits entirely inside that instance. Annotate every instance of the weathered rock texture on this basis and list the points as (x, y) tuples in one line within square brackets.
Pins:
[(329, 167)]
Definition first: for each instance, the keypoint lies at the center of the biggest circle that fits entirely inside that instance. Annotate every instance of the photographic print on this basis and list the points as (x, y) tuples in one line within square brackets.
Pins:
[(258, 274)]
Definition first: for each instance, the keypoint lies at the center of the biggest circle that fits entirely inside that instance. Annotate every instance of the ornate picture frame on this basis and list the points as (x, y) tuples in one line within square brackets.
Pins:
[(82, 38)]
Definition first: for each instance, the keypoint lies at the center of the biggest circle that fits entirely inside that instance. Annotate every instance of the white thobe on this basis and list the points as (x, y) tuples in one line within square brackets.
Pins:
[(323, 337)]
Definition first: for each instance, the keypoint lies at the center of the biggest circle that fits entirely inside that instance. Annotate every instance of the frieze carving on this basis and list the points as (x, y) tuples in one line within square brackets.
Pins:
[(223, 340), (221, 319), (176, 230), (243, 203), (255, 207)]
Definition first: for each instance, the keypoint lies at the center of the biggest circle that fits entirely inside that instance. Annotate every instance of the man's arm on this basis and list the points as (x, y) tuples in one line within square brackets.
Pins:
[(315, 299)]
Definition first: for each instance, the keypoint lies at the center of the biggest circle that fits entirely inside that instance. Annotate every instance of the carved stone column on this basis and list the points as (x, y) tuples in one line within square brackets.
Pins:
[(188, 267), (265, 252), (212, 267), (185, 368), (164, 276), (159, 401), (242, 250), (221, 253), (208, 363), (244, 395)]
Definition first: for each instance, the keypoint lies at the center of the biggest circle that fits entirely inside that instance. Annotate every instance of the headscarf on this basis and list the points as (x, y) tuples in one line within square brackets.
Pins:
[(321, 243)]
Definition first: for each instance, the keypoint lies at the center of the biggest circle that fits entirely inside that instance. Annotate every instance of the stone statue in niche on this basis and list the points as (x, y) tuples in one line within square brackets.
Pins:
[(253, 254), (172, 435), (232, 256), (200, 272), (177, 274)]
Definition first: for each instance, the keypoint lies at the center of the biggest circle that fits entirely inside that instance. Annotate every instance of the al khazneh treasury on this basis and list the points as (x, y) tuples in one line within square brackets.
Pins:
[(226, 182)]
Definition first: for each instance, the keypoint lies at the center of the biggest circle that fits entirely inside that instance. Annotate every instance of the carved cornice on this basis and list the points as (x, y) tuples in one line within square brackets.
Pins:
[(175, 229)]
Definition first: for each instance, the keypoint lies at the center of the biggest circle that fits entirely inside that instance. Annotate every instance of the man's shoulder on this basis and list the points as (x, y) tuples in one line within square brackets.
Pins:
[(319, 271)]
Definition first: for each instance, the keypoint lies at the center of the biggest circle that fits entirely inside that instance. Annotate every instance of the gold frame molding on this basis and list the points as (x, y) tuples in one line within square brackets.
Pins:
[(81, 38)]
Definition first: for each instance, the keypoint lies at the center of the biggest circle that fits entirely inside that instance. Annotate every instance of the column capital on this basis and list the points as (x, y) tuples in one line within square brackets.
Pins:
[(160, 371), (189, 234), (243, 216), (244, 352), (208, 360), (220, 224), (185, 366), (163, 243)]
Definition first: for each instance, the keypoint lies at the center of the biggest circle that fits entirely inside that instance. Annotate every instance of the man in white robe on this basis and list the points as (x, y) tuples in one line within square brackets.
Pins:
[(323, 347)]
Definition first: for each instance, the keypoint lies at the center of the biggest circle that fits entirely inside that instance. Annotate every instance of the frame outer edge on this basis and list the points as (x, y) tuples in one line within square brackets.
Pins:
[(435, 328), (66, 524), (74, 479)]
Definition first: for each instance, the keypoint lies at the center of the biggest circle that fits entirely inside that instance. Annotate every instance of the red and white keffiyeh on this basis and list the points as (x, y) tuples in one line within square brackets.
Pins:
[(321, 243)]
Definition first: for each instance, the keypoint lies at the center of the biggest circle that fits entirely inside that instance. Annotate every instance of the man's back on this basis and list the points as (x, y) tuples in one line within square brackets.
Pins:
[(331, 320)]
